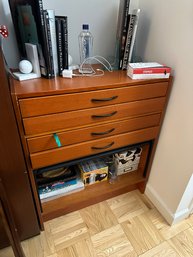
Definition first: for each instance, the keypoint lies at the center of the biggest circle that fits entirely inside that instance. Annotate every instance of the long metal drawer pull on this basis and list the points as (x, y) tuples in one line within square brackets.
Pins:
[(57, 140), (102, 133), (102, 148), (104, 99), (104, 115)]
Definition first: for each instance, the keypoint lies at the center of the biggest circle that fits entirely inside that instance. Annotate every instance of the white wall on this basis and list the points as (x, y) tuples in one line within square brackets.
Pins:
[(100, 14), (165, 35), (9, 44)]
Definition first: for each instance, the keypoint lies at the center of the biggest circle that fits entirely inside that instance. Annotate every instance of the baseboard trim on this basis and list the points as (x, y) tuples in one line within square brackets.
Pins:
[(171, 218)]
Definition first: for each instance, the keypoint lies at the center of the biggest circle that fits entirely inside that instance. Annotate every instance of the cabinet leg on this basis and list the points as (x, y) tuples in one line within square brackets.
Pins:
[(141, 186)]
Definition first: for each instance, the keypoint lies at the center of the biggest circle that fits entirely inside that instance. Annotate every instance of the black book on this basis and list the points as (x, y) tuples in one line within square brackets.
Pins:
[(49, 50), (62, 42), (59, 44), (122, 27), (65, 41), (29, 26), (128, 42)]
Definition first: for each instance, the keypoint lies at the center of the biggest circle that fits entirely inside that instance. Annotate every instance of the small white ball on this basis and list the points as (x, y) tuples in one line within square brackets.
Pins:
[(25, 66)]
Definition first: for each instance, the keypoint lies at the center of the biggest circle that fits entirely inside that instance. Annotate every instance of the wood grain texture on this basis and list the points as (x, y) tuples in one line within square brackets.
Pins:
[(161, 250), (131, 110), (62, 154), (80, 249), (183, 243), (112, 242), (167, 231), (69, 102), (44, 87), (13, 167), (47, 142), (98, 217), (68, 230), (139, 235), (142, 234), (190, 220), (127, 206), (77, 119)]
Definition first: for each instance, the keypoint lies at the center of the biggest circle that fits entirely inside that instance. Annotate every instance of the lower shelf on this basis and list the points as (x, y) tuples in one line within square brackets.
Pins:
[(91, 194)]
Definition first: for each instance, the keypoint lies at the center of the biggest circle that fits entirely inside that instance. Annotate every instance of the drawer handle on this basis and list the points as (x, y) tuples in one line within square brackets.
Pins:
[(102, 133), (57, 140), (104, 99), (102, 148), (104, 115)]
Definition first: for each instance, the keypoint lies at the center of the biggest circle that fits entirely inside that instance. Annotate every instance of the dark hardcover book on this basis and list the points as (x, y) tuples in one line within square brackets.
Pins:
[(51, 15), (137, 13), (27, 18), (59, 45), (64, 24), (128, 41), (122, 27), (50, 67)]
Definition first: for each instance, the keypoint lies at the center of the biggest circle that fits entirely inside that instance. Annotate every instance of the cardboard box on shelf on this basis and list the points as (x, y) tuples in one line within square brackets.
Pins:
[(93, 171), (128, 161)]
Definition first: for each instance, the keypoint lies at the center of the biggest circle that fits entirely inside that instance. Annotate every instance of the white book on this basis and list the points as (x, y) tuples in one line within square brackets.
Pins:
[(130, 39), (135, 12), (138, 65), (32, 56), (51, 16), (148, 76), (64, 191)]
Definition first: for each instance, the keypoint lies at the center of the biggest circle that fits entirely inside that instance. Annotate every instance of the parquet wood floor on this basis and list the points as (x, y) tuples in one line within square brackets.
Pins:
[(124, 226)]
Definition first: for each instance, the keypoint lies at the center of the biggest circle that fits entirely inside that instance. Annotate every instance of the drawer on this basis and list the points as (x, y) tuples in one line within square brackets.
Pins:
[(42, 143), (68, 102), (72, 152), (93, 116)]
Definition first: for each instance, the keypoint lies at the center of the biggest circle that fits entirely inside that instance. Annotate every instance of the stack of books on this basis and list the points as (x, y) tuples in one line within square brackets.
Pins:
[(60, 188), (126, 33), (33, 24), (148, 70)]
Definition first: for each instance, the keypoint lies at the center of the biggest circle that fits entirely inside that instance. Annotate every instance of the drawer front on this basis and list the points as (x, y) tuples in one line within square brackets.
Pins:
[(94, 116), (77, 101), (72, 152), (38, 144)]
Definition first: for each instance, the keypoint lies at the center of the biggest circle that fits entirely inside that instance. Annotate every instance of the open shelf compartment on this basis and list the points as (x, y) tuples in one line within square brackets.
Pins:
[(55, 207)]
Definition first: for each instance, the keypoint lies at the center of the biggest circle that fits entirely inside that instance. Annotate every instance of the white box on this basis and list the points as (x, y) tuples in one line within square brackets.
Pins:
[(128, 161)]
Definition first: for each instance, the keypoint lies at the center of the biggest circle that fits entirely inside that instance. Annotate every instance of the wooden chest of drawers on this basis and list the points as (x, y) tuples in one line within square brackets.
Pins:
[(89, 116)]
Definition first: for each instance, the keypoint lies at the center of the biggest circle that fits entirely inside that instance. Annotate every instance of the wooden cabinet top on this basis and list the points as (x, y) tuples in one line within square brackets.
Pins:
[(59, 85)]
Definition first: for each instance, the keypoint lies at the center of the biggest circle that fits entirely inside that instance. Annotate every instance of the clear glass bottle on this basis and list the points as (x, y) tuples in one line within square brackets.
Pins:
[(112, 168), (85, 39)]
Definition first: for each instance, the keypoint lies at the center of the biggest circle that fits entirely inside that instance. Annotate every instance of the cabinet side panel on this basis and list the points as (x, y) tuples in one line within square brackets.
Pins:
[(12, 165)]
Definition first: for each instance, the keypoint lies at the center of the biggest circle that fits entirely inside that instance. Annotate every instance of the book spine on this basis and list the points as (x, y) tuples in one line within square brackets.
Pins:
[(44, 64), (32, 56), (124, 28), (137, 12), (151, 70), (59, 45), (149, 76), (51, 16), (128, 41), (65, 42), (50, 64), (120, 18)]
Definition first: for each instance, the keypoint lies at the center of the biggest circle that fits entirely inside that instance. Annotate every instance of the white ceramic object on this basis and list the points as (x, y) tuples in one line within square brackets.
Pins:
[(25, 67)]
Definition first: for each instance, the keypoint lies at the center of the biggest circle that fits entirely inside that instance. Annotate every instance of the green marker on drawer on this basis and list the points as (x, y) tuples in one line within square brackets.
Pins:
[(57, 140)]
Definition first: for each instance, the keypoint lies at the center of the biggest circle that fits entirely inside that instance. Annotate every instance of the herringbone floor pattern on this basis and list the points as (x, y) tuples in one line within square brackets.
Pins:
[(124, 226)]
